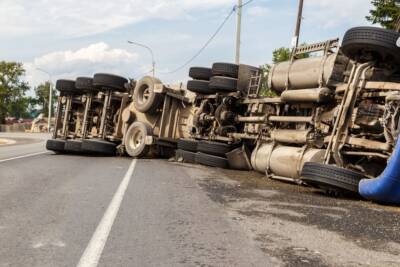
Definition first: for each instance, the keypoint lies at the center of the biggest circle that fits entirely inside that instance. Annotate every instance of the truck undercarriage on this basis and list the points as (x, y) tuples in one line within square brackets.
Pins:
[(334, 119)]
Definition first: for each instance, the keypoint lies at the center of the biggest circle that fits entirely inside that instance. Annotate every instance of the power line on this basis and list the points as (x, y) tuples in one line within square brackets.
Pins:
[(234, 9), (141, 74), (245, 4), (205, 45)]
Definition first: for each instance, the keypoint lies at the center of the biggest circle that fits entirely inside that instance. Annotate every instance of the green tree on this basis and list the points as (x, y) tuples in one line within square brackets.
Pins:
[(42, 98), (385, 12), (281, 54), (12, 91), (265, 91)]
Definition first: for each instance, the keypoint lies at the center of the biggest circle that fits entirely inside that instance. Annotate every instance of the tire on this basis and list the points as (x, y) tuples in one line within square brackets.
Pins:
[(330, 177), (85, 84), (225, 69), (56, 145), (223, 83), (199, 73), (67, 86), (146, 100), (135, 138), (214, 148), (106, 81), (73, 146), (200, 87), (98, 146), (380, 42), (187, 156), (188, 145), (211, 160)]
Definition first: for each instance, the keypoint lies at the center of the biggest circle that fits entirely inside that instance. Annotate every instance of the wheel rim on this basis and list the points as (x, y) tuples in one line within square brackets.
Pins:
[(145, 95), (137, 139)]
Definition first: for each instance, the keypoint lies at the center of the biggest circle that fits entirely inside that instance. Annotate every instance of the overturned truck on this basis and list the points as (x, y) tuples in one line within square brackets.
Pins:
[(333, 121)]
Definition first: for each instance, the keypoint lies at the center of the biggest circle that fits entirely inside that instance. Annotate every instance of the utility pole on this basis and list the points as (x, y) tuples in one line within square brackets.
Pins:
[(238, 30), (295, 41)]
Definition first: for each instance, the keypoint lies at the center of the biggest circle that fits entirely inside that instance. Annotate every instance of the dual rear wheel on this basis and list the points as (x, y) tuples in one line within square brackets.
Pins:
[(208, 153)]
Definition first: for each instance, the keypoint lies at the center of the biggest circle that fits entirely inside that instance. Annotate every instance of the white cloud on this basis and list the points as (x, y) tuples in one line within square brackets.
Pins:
[(79, 18), (98, 57), (330, 14), (257, 11)]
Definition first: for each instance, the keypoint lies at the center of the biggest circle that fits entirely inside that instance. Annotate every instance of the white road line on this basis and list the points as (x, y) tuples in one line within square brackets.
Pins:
[(24, 156), (93, 251)]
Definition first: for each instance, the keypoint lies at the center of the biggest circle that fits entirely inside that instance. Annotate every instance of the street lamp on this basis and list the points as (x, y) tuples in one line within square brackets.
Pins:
[(151, 52), (50, 97)]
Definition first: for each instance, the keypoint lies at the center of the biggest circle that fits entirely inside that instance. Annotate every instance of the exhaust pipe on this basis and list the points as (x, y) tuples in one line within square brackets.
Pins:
[(290, 136), (385, 188), (316, 95)]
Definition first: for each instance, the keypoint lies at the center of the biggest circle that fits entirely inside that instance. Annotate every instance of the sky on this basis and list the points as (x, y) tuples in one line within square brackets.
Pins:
[(71, 38)]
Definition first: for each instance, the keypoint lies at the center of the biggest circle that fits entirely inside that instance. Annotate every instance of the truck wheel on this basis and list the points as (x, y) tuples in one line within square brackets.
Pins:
[(188, 145), (200, 87), (225, 69), (187, 156), (135, 138), (109, 81), (67, 86), (85, 84), (199, 73), (379, 42), (214, 148), (223, 83), (56, 145), (330, 177), (98, 146), (73, 146), (145, 99), (212, 161)]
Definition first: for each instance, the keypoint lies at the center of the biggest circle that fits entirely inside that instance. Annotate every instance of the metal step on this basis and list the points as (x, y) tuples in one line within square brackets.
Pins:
[(254, 85), (322, 46)]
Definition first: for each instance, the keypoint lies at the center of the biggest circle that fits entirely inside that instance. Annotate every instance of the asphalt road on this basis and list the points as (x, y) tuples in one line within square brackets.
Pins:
[(51, 206), (63, 210)]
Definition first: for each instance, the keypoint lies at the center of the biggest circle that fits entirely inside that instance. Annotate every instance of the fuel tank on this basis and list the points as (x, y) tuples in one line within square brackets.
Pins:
[(307, 73), (284, 161)]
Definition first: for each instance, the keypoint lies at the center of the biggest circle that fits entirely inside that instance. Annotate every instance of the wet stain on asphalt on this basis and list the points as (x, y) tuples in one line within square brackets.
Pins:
[(367, 225)]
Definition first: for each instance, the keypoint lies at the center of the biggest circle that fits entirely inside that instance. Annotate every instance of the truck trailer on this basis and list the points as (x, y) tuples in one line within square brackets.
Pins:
[(332, 122)]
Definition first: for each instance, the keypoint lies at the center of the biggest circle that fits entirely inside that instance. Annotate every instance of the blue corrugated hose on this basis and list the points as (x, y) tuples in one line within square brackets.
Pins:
[(385, 188)]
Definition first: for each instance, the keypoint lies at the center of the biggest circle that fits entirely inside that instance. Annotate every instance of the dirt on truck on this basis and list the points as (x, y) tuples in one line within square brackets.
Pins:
[(333, 124)]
